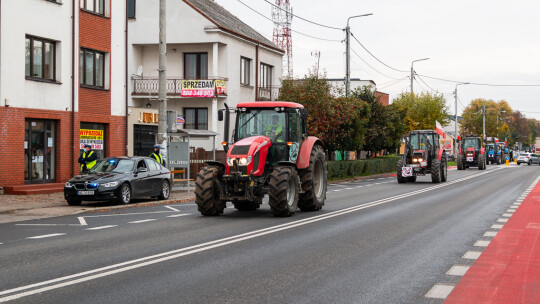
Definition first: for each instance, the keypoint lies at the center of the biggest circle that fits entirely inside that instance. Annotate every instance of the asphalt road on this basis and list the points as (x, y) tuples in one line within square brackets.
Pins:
[(375, 241)]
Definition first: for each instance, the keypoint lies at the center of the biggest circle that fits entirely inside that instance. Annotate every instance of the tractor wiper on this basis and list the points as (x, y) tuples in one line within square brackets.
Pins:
[(256, 113)]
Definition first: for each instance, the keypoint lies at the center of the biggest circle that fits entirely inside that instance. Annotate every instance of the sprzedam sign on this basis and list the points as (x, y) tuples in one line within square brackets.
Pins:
[(91, 137), (198, 88)]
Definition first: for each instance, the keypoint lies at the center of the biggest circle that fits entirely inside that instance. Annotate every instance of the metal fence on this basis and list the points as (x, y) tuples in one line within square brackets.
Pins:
[(269, 93)]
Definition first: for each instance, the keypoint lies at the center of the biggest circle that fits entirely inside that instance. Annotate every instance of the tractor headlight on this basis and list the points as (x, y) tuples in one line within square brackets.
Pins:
[(245, 160), (420, 160), (230, 161)]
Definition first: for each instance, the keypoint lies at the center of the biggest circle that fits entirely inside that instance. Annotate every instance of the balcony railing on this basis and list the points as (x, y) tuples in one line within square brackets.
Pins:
[(269, 93), (150, 87)]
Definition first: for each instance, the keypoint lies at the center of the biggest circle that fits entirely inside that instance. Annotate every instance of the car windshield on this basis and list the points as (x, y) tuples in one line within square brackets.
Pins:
[(113, 165), (266, 122), (418, 141), (471, 142)]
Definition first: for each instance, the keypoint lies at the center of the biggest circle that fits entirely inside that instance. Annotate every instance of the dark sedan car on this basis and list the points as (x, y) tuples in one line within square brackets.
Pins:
[(120, 179)]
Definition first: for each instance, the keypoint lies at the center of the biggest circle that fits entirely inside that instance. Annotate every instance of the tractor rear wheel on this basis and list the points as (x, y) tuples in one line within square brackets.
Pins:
[(444, 169), (399, 169), (459, 160), (436, 174), (283, 191), (246, 205), (482, 162), (314, 181), (207, 194)]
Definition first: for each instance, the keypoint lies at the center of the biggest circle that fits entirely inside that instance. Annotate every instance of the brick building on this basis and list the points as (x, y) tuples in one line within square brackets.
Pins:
[(61, 79)]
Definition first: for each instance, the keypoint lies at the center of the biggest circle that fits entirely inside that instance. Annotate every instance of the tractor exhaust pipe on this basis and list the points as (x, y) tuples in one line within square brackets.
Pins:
[(226, 128)]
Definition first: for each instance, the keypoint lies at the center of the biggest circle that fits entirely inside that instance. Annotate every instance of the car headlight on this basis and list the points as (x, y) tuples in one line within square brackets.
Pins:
[(69, 185), (230, 161), (245, 160), (109, 184)]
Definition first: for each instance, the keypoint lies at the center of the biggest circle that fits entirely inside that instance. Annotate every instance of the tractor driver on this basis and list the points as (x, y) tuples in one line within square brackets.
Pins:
[(275, 130)]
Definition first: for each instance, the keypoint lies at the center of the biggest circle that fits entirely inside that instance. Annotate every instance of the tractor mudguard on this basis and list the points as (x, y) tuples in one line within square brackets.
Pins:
[(440, 153), (216, 164), (482, 151), (305, 151)]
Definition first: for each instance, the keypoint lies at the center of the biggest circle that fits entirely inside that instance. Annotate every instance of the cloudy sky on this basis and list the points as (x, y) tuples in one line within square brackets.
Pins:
[(482, 41)]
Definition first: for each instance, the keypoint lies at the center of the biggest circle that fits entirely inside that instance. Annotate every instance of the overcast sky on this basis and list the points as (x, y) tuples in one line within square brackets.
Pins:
[(487, 41)]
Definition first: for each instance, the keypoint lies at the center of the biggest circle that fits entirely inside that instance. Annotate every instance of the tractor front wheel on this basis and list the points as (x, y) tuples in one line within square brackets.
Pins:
[(399, 171), (207, 194), (444, 169), (283, 191), (436, 174), (459, 160), (482, 162), (314, 181)]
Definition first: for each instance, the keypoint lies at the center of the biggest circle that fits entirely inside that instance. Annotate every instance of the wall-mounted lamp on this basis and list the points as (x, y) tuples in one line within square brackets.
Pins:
[(148, 105)]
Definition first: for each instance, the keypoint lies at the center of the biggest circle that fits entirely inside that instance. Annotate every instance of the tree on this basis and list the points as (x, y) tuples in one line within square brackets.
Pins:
[(498, 114), (385, 126), (421, 111)]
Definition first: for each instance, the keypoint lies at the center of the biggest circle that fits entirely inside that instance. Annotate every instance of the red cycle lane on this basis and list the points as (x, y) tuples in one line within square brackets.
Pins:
[(508, 271)]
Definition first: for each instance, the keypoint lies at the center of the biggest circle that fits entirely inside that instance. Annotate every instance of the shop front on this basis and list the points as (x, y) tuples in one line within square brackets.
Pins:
[(39, 151), (142, 130)]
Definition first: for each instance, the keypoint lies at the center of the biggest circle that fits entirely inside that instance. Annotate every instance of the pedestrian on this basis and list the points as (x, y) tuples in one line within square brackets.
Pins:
[(157, 156), (88, 159)]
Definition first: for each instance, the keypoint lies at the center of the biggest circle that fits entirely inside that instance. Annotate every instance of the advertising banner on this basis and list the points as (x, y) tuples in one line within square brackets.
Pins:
[(198, 88), (91, 137), (221, 87)]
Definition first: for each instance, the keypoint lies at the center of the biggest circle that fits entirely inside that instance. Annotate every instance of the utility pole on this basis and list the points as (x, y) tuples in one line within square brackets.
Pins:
[(162, 123), (455, 118), (483, 121), (412, 72), (348, 54)]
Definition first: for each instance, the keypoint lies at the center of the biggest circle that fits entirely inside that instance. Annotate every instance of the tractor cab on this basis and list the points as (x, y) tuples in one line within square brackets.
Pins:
[(471, 153)]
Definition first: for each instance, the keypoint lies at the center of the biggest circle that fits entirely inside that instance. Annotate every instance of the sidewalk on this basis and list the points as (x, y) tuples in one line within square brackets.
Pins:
[(508, 271), (15, 208)]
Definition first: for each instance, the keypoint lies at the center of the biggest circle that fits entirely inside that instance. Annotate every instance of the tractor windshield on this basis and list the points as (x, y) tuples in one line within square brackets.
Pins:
[(490, 147), (419, 142), (471, 142), (266, 122)]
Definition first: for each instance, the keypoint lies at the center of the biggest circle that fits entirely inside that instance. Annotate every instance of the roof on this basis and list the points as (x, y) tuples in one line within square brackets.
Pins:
[(269, 104), (223, 19), (195, 133)]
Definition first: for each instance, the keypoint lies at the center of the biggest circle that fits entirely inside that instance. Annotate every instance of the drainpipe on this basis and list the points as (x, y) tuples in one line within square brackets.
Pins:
[(127, 78), (257, 72), (73, 76)]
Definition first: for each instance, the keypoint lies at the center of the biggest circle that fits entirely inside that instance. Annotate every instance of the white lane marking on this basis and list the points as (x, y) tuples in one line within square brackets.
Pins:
[(359, 186), (502, 220), (440, 291), (481, 243), (1, 243), (47, 225), (102, 227), (135, 213), (490, 233), (457, 270), (178, 215), (496, 226), (336, 190), (82, 221), (507, 214), (369, 185), (471, 255), (172, 208), (381, 178), (510, 210), (348, 189), (141, 221), (513, 207), (158, 258), (45, 236)]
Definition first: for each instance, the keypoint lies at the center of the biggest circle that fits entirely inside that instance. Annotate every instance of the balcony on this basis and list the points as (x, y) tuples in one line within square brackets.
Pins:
[(269, 93), (179, 87)]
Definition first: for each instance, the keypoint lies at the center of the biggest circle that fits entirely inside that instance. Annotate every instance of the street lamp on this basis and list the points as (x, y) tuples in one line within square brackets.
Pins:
[(455, 118), (412, 71), (348, 54)]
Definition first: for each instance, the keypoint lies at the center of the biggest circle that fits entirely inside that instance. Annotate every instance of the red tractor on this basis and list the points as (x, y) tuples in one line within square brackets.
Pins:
[(471, 153), (422, 156), (271, 154)]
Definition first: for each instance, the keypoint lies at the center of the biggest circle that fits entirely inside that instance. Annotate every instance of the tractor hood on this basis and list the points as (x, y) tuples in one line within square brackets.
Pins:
[(248, 155), (248, 146)]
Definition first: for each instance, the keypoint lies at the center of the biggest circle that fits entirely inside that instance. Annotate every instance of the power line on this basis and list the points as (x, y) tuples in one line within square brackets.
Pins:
[(312, 22), (297, 32), (482, 84), (420, 84), (403, 71), (395, 82), (371, 66), (425, 82)]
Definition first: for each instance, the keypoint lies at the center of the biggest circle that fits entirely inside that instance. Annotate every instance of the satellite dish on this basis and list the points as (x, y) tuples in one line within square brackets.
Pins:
[(140, 71)]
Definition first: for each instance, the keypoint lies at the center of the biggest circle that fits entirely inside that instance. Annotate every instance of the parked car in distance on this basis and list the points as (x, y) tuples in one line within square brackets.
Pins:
[(528, 158), (120, 179)]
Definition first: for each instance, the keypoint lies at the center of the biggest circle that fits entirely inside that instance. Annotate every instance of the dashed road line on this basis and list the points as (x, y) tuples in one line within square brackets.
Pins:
[(502, 220), (481, 243), (471, 255), (507, 214), (178, 215), (458, 270), (440, 291), (172, 208), (102, 227), (496, 226), (82, 221), (142, 221), (45, 236), (490, 233)]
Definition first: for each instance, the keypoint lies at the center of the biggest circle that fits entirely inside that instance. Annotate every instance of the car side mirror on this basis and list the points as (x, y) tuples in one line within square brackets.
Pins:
[(142, 170), (220, 115)]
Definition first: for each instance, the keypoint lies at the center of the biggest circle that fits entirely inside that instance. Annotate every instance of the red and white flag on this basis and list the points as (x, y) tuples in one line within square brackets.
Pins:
[(439, 129)]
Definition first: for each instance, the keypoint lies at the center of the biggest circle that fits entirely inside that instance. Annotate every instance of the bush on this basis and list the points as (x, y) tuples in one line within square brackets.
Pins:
[(352, 168)]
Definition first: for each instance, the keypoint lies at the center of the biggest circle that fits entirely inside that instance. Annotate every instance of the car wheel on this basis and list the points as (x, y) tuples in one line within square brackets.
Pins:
[(529, 163), (165, 190), (125, 194)]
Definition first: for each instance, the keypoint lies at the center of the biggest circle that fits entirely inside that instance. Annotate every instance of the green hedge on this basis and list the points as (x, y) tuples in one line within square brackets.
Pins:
[(351, 168)]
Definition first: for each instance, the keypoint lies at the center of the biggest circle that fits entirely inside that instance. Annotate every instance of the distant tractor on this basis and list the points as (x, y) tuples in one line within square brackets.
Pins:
[(271, 154), (422, 156), (471, 153), (493, 154)]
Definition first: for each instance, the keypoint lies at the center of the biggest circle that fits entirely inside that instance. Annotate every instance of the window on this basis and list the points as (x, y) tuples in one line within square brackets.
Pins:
[(195, 65), (131, 8), (92, 72), (245, 68), (196, 118), (40, 58), (94, 6), (266, 76), (153, 165)]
